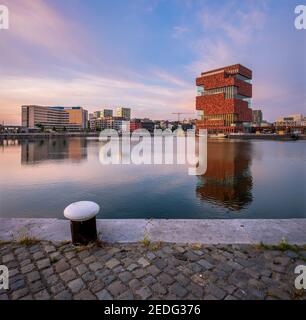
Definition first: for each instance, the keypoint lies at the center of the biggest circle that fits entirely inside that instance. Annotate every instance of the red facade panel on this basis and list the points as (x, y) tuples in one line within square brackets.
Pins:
[(217, 104), (219, 80)]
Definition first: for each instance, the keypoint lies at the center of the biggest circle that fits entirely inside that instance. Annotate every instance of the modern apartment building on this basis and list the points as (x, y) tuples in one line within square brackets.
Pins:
[(224, 99), (257, 117), (60, 118), (106, 113), (123, 113), (117, 123)]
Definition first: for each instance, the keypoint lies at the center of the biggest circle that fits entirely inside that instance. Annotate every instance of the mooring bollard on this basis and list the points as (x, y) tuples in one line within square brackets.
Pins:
[(82, 216)]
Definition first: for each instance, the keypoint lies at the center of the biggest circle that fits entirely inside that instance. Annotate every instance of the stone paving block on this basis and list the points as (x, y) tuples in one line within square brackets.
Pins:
[(160, 263), (132, 267), (216, 291), (205, 264), (64, 295), (183, 280), (96, 285), (88, 276), (139, 273), (125, 276), (89, 260), (36, 286), (85, 295), (149, 280), (61, 266), (33, 276), (165, 279), (81, 269), (178, 290), (42, 295), (153, 270), (112, 263), (38, 255), (57, 288), (49, 248), (196, 290), (135, 284), (127, 295), (43, 264), (28, 268), (68, 275), (83, 254), (118, 269), (143, 262), (23, 256), (144, 293), (104, 295), (116, 288), (76, 285), (17, 294), (25, 262), (151, 256), (96, 266), (16, 278), (7, 258), (74, 262), (131, 271), (47, 272), (70, 254), (159, 289), (109, 279)]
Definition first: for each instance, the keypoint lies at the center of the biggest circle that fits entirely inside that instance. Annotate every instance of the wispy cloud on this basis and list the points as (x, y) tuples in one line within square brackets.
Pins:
[(149, 59), (226, 34), (179, 31), (93, 92)]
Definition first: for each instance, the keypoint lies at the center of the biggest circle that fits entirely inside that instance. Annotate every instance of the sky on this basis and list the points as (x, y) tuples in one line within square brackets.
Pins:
[(146, 54)]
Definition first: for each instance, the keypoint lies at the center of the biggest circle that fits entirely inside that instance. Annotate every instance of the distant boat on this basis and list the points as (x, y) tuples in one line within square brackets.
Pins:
[(218, 136)]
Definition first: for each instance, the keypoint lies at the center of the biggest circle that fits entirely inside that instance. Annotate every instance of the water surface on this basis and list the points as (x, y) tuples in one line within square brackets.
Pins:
[(244, 179)]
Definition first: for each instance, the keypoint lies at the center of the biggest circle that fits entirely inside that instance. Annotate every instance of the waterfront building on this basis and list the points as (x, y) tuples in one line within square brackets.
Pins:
[(77, 115), (257, 117), (123, 113), (97, 114), (59, 118), (116, 123), (106, 113), (34, 116), (224, 99), (135, 124), (290, 121)]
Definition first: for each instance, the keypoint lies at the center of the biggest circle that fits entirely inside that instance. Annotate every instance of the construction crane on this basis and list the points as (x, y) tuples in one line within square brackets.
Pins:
[(179, 115)]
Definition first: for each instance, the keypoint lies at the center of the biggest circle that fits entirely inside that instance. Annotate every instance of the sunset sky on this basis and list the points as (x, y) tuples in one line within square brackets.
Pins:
[(146, 54)]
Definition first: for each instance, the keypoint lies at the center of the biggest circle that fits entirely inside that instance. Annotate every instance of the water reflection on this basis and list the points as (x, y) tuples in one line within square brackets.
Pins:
[(245, 179), (228, 181), (36, 151)]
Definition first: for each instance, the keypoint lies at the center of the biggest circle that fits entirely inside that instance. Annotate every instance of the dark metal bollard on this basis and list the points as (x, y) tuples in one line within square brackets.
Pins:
[(82, 216)]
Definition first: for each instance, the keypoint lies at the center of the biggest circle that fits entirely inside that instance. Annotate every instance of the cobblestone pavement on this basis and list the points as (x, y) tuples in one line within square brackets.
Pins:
[(158, 271)]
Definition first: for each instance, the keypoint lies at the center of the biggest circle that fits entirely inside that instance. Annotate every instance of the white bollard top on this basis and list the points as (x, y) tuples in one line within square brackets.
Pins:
[(81, 211)]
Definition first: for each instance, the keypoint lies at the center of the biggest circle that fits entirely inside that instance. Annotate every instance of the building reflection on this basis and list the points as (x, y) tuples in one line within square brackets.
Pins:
[(35, 151), (228, 181)]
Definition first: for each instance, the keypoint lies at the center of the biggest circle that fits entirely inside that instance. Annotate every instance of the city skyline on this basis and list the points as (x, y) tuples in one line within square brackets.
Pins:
[(70, 53)]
